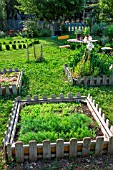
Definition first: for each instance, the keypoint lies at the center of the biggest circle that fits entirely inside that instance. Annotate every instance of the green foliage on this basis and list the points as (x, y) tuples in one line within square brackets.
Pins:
[(51, 9), (24, 45), (10, 42), (72, 46), (64, 29), (20, 46), (0, 47), (108, 32), (107, 10), (45, 33), (7, 47), (82, 69), (14, 46), (74, 59), (36, 41), (87, 31), (95, 29), (53, 121), (98, 63)]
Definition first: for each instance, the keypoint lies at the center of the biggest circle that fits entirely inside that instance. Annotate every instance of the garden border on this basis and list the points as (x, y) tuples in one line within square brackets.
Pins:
[(88, 81), (15, 88), (33, 151)]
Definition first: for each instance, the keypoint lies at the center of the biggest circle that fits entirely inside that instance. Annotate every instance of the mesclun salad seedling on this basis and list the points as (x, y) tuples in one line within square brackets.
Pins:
[(53, 121)]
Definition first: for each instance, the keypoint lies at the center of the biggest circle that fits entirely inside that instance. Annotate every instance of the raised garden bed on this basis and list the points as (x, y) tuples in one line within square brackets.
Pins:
[(88, 81), (59, 149), (10, 81)]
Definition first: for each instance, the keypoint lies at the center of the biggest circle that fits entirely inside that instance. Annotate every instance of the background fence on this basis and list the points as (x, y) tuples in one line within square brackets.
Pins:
[(18, 25)]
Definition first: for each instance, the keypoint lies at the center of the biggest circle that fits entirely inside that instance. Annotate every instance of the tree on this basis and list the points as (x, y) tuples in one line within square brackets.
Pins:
[(2, 13), (107, 9), (51, 10)]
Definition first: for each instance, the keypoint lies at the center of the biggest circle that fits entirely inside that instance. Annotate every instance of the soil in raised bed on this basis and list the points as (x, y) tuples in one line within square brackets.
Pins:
[(79, 109), (9, 78)]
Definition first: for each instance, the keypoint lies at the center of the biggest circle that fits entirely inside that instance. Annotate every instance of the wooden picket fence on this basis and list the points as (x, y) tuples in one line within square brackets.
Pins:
[(88, 81), (59, 149), (14, 88), (73, 26)]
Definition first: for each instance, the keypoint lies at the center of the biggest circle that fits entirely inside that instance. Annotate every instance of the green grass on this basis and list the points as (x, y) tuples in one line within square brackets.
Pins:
[(46, 78), (53, 121)]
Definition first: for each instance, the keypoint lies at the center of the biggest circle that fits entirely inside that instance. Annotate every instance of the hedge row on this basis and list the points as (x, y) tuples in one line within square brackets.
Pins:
[(19, 46)]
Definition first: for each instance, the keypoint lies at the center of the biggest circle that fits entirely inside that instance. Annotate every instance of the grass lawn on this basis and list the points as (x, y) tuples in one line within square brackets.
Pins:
[(46, 78)]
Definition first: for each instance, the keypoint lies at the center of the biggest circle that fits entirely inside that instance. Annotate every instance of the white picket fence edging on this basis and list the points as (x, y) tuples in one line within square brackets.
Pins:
[(14, 88), (33, 151), (88, 81)]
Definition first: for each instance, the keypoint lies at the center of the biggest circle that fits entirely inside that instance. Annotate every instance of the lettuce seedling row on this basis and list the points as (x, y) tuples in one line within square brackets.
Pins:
[(59, 149)]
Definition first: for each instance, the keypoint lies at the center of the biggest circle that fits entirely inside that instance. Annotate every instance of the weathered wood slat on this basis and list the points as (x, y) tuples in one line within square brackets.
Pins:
[(59, 148), (9, 151), (14, 89), (99, 145), (15, 123), (19, 151), (73, 147), (99, 116), (86, 146), (32, 150), (110, 146), (46, 149)]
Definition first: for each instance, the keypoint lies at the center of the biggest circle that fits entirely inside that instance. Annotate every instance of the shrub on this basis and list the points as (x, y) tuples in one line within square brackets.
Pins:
[(7, 47), (36, 41), (20, 46), (30, 44), (108, 32), (72, 46), (0, 47), (95, 29), (45, 33), (14, 46), (24, 46)]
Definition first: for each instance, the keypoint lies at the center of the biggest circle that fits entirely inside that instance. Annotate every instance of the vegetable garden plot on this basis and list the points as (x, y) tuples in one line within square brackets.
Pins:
[(88, 81), (46, 149), (10, 81)]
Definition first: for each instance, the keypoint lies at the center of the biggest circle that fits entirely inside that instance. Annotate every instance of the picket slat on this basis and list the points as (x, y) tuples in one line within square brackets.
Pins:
[(73, 147), (32, 150), (86, 146), (59, 148), (46, 149), (99, 145)]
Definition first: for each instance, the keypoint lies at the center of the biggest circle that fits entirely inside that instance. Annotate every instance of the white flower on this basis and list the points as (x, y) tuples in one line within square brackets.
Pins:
[(90, 46)]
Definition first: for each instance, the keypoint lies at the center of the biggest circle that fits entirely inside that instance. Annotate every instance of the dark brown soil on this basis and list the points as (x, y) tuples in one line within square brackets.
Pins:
[(9, 79), (104, 162)]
